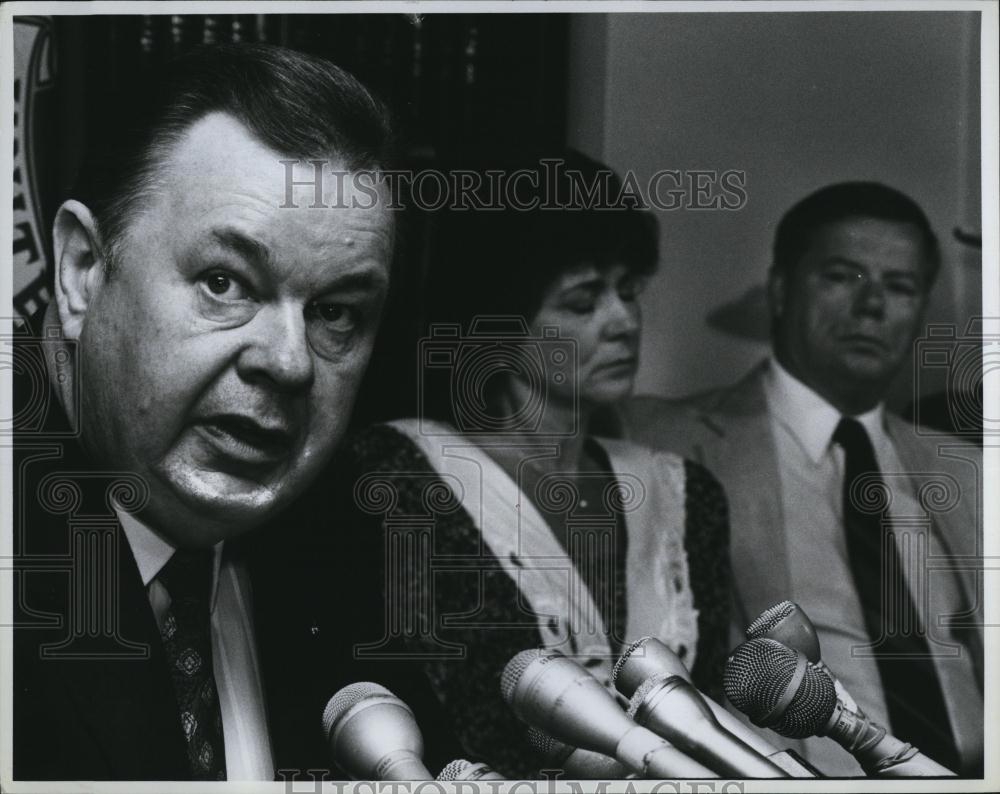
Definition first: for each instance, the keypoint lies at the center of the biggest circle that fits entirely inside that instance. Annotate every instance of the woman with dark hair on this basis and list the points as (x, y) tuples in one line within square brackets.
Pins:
[(524, 529)]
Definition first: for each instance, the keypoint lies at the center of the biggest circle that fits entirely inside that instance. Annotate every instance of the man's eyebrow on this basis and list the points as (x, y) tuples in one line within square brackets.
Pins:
[(369, 279), (245, 246), (843, 260)]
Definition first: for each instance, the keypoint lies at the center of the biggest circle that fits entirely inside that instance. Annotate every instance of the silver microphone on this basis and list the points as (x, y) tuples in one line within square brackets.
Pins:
[(671, 707), (778, 688), (373, 734), (555, 694), (788, 623), (460, 769), (647, 658), (577, 763)]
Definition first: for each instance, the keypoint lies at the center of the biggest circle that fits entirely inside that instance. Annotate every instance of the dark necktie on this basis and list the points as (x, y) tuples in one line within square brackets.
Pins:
[(917, 712), (187, 640)]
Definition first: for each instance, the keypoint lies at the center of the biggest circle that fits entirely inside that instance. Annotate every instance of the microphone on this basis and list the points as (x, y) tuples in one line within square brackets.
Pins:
[(788, 623), (671, 707), (555, 694), (578, 764), (373, 734), (647, 657), (460, 769), (778, 688)]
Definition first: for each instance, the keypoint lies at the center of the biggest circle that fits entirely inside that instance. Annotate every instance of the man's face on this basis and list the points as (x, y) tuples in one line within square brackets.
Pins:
[(221, 359), (851, 307)]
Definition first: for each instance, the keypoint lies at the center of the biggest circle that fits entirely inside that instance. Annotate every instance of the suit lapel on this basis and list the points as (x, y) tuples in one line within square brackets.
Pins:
[(962, 462), (127, 697), (740, 420)]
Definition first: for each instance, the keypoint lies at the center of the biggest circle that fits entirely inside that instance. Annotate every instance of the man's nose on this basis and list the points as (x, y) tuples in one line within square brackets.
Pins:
[(279, 351), (870, 297)]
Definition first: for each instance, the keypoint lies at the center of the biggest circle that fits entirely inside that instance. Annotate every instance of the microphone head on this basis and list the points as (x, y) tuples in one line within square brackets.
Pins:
[(370, 731), (670, 706), (460, 769), (555, 694), (453, 770), (787, 623), (551, 750), (643, 659), (513, 671), (348, 697), (757, 677)]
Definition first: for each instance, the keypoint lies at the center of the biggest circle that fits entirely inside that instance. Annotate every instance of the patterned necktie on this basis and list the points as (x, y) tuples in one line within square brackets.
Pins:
[(917, 711), (187, 640)]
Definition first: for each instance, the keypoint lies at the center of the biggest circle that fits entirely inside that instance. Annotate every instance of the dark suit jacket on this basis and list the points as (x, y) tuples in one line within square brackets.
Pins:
[(92, 695)]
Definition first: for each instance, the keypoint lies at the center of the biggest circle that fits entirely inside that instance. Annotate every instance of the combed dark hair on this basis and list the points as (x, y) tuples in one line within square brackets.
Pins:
[(849, 200), (501, 259), (299, 105)]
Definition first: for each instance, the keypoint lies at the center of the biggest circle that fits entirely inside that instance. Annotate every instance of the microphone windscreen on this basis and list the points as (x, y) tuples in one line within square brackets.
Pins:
[(643, 659), (460, 769), (789, 625), (552, 750), (757, 677), (769, 618), (514, 670), (346, 699)]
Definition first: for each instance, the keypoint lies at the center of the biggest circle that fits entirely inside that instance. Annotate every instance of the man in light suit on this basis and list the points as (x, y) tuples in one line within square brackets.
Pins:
[(180, 584), (853, 266)]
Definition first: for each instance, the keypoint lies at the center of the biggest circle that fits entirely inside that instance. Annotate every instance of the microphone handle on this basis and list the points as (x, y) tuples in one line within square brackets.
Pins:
[(587, 765), (646, 753), (739, 730), (402, 765), (794, 764), (843, 695), (879, 752), (728, 755)]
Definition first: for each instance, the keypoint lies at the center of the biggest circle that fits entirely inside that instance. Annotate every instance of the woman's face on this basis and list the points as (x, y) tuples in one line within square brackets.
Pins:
[(599, 310)]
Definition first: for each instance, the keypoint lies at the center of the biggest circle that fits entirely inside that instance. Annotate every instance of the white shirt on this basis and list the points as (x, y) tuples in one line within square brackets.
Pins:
[(234, 648), (811, 470)]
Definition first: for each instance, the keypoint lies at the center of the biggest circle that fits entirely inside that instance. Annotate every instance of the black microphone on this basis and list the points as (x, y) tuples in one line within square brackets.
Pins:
[(788, 623), (373, 734), (577, 763), (460, 769), (671, 707), (647, 658), (778, 688), (551, 692)]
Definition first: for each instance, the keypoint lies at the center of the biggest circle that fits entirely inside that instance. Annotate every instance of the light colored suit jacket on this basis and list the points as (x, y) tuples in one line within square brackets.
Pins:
[(729, 432)]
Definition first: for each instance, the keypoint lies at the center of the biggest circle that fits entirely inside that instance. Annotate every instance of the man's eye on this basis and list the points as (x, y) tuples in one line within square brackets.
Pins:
[(840, 276), (902, 287), (336, 316), (223, 286)]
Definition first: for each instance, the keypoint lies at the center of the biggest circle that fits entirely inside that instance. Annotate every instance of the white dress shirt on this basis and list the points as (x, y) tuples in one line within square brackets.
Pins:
[(234, 648), (811, 469)]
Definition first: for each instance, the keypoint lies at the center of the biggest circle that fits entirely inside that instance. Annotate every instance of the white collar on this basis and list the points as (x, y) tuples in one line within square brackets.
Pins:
[(152, 551), (807, 416)]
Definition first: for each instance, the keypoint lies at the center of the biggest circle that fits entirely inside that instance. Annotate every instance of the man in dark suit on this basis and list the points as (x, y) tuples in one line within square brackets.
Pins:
[(183, 602), (853, 268)]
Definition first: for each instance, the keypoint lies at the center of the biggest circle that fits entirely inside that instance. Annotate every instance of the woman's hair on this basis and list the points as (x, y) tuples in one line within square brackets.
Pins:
[(520, 222)]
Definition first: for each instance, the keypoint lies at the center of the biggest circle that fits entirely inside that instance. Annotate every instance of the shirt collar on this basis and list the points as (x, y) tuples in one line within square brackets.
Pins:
[(152, 551), (807, 416)]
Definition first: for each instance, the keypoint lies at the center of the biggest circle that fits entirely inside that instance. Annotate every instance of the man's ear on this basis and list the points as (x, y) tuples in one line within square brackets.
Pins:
[(79, 265), (777, 287)]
